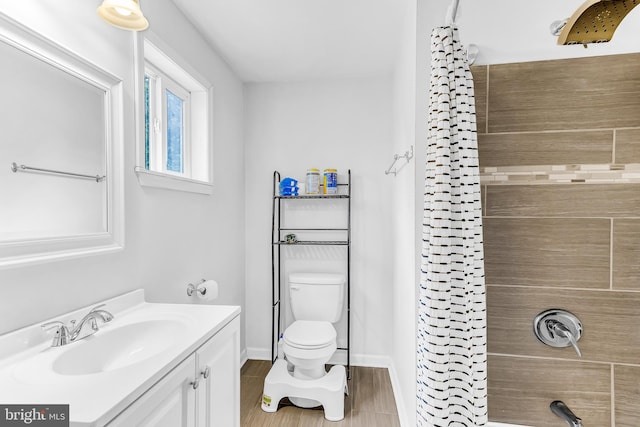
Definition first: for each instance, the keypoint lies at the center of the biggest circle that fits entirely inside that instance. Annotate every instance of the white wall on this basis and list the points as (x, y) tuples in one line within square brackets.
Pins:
[(171, 237), (404, 224), (345, 124)]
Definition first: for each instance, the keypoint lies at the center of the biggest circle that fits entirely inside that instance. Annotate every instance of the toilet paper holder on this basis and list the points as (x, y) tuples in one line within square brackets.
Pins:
[(191, 288)]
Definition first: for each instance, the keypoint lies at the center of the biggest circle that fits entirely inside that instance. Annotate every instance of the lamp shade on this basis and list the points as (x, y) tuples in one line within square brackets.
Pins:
[(125, 14)]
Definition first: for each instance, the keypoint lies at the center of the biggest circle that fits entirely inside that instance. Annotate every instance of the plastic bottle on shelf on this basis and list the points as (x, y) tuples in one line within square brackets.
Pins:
[(313, 181), (330, 181)]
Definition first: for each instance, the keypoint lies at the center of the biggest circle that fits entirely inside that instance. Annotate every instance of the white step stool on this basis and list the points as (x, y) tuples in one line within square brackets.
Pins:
[(328, 390)]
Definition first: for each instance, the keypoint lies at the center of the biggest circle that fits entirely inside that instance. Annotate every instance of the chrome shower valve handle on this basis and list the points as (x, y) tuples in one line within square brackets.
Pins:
[(558, 328)]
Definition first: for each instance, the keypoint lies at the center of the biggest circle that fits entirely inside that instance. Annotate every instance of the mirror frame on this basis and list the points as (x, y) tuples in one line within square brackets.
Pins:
[(37, 250)]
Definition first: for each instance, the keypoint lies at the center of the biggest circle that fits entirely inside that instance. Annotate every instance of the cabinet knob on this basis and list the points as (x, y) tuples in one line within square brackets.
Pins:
[(195, 383), (206, 372)]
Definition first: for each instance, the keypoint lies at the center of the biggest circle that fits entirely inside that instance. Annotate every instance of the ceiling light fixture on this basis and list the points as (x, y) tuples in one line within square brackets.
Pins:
[(125, 14)]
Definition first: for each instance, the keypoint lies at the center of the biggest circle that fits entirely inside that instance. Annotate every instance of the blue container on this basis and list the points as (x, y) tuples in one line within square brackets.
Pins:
[(288, 187), (330, 181)]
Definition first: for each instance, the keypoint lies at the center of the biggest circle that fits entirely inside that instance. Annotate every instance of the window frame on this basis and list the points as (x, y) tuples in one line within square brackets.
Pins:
[(154, 57), (159, 84), (185, 149)]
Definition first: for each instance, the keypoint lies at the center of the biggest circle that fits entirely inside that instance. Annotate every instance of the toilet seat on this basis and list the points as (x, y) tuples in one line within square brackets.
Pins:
[(310, 334)]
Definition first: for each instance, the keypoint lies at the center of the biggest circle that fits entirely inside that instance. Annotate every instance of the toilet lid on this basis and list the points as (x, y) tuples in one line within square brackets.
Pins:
[(309, 334)]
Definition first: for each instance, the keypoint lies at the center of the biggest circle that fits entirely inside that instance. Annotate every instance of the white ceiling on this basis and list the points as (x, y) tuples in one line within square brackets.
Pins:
[(295, 40), (290, 40)]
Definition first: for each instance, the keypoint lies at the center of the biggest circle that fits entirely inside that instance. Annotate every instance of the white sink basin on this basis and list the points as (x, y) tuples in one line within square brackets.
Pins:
[(126, 342), (101, 375), (118, 347)]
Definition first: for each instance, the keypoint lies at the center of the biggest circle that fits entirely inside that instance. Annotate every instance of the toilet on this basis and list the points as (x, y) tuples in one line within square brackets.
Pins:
[(316, 302)]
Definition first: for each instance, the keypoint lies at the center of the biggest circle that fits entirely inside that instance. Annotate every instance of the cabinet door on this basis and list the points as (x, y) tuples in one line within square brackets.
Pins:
[(219, 394), (171, 402)]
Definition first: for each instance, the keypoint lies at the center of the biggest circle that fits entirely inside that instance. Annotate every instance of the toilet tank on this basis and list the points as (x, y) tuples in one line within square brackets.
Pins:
[(316, 296)]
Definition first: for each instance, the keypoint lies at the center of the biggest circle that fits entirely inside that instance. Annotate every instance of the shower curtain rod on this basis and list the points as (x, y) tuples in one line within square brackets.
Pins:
[(452, 12), (472, 49)]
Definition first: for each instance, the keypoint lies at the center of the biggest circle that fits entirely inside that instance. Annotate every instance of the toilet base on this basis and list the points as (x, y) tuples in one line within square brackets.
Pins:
[(328, 390)]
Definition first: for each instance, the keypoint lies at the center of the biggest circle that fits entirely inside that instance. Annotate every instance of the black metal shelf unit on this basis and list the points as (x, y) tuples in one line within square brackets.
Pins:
[(277, 242)]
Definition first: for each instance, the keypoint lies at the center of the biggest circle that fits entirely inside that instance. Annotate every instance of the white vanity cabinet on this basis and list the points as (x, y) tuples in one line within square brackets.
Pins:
[(218, 397), (169, 403), (202, 391)]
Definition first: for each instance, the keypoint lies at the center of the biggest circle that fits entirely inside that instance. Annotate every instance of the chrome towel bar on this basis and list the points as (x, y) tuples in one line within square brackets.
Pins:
[(15, 168), (407, 155)]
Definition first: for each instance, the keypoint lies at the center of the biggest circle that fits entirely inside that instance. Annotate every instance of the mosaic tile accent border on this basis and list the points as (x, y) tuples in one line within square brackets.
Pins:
[(561, 174)]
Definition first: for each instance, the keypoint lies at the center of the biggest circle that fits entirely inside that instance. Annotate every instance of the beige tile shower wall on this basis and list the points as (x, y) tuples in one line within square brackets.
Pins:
[(628, 146), (585, 93), (559, 148)]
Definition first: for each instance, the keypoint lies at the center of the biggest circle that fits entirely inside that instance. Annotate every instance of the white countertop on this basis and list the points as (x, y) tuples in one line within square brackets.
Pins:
[(26, 358)]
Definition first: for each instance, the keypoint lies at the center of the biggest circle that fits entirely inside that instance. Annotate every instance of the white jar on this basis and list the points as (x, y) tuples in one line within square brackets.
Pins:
[(313, 181)]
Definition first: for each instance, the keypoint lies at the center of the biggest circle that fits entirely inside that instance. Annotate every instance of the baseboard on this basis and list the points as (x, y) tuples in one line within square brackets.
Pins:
[(397, 394), (371, 361), (254, 353), (243, 357)]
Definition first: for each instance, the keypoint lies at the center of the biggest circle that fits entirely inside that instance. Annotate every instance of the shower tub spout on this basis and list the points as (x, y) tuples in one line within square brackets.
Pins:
[(560, 409)]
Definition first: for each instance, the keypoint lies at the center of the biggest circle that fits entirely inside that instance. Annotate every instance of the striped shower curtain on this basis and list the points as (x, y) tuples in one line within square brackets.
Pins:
[(451, 345)]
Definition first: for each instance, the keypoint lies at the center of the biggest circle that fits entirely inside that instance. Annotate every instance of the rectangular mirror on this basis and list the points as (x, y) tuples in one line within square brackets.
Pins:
[(60, 162)]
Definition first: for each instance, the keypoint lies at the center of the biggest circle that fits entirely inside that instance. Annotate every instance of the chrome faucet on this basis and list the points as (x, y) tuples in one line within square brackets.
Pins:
[(62, 332), (90, 317), (67, 334), (559, 408)]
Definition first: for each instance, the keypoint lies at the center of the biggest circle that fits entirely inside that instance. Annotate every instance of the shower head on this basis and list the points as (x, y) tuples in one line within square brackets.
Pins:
[(595, 21)]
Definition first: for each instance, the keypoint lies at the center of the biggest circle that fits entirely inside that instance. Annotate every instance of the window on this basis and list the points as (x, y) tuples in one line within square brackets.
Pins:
[(175, 149), (166, 115)]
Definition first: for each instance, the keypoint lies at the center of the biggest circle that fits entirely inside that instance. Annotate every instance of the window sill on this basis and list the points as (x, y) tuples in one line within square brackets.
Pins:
[(148, 178)]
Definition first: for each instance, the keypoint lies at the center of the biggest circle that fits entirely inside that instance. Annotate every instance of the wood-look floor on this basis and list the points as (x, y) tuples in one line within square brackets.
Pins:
[(370, 402)]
